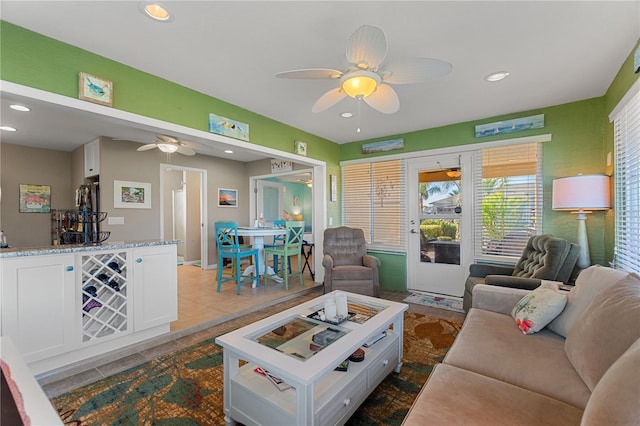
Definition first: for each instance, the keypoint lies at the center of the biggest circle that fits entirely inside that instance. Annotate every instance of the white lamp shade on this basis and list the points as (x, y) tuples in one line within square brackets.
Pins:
[(582, 192)]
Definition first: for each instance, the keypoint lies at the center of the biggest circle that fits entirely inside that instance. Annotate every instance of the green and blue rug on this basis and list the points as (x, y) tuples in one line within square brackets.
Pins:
[(185, 387)]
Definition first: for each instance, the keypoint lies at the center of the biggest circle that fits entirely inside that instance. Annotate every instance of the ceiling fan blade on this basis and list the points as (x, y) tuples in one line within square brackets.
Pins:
[(414, 70), (185, 150), (167, 139), (384, 99), (147, 147), (328, 100), (367, 47), (311, 73)]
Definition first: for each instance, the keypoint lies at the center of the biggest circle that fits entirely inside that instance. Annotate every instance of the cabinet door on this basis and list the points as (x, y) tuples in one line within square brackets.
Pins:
[(155, 286), (38, 305), (92, 158)]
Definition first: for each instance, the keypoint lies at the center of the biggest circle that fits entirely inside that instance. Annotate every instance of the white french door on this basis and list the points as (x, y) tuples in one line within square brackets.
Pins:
[(440, 226)]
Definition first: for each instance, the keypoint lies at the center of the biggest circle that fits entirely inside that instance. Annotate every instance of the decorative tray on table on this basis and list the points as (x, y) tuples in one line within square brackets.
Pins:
[(319, 315)]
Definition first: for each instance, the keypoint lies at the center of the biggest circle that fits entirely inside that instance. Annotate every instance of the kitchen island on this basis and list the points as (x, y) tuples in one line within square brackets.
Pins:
[(64, 304)]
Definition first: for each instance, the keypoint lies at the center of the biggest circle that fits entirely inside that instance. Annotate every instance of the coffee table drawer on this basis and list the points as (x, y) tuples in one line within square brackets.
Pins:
[(384, 362), (344, 403)]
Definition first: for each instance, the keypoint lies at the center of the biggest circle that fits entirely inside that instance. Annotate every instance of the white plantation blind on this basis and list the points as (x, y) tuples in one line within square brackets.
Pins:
[(627, 185), (373, 200), (508, 191)]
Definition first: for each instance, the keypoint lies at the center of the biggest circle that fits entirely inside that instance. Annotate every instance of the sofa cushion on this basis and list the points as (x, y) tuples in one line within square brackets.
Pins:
[(490, 344), (453, 396), (605, 330), (616, 398), (538, 308), (588, 284)]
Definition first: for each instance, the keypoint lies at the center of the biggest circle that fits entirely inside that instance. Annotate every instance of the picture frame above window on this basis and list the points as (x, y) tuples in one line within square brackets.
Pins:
[(95, 89), (131, 195)]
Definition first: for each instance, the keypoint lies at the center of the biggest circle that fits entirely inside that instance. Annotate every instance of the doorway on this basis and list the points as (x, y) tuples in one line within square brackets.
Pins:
[(440, 240), (183, 196)]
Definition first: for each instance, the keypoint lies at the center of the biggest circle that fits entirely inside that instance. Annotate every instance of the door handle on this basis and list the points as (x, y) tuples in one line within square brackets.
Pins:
[(413, 231)]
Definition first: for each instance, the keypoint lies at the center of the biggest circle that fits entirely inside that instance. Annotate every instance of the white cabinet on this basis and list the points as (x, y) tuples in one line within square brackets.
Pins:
[(39, 305), (66, 307), (155, 278), (92, 158)]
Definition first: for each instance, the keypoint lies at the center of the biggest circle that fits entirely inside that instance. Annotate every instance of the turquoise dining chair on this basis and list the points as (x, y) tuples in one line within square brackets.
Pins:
[(292, 246), (277, 241), (230, 248)]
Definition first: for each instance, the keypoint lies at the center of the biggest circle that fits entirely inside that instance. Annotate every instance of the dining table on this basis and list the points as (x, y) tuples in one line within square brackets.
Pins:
[(258, 235)]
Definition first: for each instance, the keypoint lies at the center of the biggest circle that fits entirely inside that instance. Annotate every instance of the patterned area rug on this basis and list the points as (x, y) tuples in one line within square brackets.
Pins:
[(185, 387), (436, 301)]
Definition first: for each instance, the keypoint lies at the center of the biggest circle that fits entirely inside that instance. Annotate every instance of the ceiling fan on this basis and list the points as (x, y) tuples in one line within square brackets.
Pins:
[(366, 77), (169, 144)]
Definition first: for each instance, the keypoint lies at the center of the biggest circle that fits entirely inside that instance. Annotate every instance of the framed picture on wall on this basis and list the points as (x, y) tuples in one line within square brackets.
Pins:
[(131, 195), (35, 199), (227, 197), (95, 89)]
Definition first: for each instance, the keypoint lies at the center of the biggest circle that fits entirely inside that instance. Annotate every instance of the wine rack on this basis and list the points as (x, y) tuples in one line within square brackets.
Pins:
[(105, 301)]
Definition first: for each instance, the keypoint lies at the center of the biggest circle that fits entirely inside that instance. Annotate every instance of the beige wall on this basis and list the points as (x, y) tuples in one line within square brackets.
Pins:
[(25, 165)]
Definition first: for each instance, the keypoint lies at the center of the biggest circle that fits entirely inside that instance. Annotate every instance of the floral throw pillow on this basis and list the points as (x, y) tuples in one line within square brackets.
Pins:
[(538, 308)]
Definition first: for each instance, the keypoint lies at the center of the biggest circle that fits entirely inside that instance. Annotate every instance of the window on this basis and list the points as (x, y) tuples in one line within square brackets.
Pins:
[(373, 200), (627, 182), (508, 191)]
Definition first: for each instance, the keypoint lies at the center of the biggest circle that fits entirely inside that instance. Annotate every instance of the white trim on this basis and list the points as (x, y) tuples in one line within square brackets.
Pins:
[(635, 88), (547, 137)]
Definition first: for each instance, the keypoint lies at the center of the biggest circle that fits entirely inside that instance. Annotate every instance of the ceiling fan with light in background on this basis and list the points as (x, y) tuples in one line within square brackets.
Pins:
[(169, 145), (367, 78)]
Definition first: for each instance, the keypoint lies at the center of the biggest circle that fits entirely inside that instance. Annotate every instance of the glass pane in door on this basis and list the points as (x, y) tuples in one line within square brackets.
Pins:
[(440, 205)]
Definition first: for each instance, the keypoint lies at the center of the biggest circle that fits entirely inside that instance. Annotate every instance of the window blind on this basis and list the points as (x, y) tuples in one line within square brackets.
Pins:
[(373, 200), (627, 186), (508, 200)]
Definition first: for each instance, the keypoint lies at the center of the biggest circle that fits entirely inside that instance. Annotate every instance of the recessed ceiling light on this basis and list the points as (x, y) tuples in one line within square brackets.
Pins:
[(346, 114), (497, 76), (156, 11), (228, 151), (20, 107), (8, 128)]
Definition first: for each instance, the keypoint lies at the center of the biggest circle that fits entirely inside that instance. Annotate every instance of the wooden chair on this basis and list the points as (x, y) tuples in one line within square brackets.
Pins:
[(229, 248), (292, 246)]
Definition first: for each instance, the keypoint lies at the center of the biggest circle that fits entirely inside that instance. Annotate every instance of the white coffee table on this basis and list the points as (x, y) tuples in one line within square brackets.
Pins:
[(319, 395)]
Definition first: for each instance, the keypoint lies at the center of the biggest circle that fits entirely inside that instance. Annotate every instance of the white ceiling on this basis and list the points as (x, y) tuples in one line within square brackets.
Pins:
[(557, 52)]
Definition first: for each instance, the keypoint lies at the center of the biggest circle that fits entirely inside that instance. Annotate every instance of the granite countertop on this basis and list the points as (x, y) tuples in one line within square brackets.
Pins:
[(12, 252)]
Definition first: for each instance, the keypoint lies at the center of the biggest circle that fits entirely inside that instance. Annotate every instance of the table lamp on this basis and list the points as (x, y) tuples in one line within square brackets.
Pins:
[(581, 195)]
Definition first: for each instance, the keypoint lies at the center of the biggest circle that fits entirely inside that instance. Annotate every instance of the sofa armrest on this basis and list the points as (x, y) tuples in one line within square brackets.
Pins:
[(482, 270), (515, 282), (496, 299), (370, 261)]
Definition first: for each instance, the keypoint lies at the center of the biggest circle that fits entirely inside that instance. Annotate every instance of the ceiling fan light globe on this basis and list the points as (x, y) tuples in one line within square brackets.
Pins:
[(167, 147), (360, 84)]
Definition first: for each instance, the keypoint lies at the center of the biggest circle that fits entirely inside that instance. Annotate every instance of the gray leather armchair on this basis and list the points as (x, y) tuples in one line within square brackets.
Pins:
[(346, 263), (544, 258)]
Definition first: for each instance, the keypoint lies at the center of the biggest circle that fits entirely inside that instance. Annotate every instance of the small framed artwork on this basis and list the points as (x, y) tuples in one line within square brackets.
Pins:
[(227, 127), (95, 89), (35, 199), (227, 197), (131, 195), (300, 148)]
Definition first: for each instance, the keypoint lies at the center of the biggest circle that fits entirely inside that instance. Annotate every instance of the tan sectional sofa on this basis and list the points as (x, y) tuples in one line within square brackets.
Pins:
[(582, 369)]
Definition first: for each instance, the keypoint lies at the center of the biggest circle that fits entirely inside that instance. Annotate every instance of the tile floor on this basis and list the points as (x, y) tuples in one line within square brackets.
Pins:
[(200, 307)]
